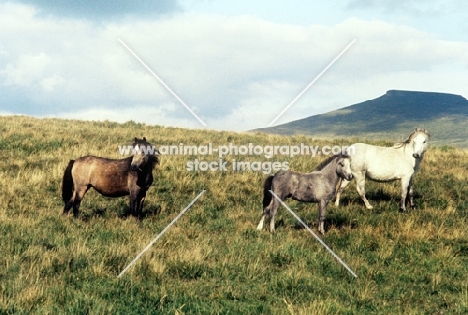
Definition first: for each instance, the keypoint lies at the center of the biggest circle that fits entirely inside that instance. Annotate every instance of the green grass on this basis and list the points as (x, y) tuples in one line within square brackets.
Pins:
[(213, 261)]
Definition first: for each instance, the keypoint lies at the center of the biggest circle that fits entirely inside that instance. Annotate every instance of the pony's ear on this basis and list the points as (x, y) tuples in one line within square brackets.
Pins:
[(344, 153), (144, 139), (135, 140)]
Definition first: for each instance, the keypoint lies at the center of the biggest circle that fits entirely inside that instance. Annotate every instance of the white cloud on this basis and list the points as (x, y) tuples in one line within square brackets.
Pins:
[(50, 84), (236, 73), (28, 69)]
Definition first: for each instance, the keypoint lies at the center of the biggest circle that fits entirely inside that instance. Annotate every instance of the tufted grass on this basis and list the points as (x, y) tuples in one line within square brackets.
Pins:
[(213, 261)]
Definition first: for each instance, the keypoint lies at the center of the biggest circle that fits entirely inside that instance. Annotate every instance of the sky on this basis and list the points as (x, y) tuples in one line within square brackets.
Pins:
[(236, 65)]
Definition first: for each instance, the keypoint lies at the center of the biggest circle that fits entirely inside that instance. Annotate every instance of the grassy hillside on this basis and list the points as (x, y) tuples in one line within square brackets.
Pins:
[(390, 116), (213, 261)]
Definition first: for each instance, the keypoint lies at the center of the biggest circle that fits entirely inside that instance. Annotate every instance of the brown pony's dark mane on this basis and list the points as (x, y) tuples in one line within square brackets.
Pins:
[(154, 158), (416, 132)]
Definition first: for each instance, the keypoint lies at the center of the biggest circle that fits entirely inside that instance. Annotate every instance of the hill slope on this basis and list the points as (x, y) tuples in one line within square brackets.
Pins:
[(390, 116), (213, 260)]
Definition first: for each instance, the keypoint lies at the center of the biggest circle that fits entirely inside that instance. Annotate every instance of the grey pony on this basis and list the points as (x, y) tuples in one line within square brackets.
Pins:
[(318, 186)]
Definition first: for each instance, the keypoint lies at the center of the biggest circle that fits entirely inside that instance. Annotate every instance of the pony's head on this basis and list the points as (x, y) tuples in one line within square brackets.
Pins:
[(144, 154), (418, 140), (343, 167)]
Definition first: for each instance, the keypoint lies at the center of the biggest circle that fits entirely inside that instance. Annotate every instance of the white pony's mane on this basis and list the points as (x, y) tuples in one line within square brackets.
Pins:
[(416, 132)]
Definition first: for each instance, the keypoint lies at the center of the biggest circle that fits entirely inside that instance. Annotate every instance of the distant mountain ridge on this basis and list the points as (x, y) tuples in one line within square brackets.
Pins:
[(389, 117)]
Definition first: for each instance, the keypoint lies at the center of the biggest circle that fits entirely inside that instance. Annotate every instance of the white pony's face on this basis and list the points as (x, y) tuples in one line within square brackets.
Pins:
[(420, 145)]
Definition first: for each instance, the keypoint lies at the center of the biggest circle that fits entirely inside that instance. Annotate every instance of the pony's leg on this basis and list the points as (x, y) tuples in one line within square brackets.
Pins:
[(67, 207), (69, 204), (410, 193), (266, 211), (139, 205), (270, 209), (361, 187), (273, 209), (133, 202), (76, 207), (405, 186), (134, 199), (343, 185), (78, 196), (321, 216)]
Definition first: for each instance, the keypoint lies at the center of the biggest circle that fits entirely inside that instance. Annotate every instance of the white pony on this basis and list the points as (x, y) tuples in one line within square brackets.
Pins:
[(385, 164)]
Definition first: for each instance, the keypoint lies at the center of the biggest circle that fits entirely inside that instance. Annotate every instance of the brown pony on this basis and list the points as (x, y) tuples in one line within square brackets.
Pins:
[(111, 178)]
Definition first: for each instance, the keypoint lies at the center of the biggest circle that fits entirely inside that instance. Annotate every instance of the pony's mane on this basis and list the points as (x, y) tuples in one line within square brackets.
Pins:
[(156, 160), (143, 141), (327, 161), (154, 157), (416, 132)]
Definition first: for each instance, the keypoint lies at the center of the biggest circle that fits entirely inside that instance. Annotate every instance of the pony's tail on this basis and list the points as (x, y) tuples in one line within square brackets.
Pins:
[(266, 191), (67, 182)]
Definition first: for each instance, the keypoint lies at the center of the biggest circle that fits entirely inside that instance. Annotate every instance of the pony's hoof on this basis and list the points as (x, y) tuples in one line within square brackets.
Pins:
[(125, 215)]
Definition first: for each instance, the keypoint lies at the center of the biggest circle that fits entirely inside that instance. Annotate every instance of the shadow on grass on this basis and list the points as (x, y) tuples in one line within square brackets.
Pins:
[(147, 212), (374, 196), (333, 220), (103, 212)]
